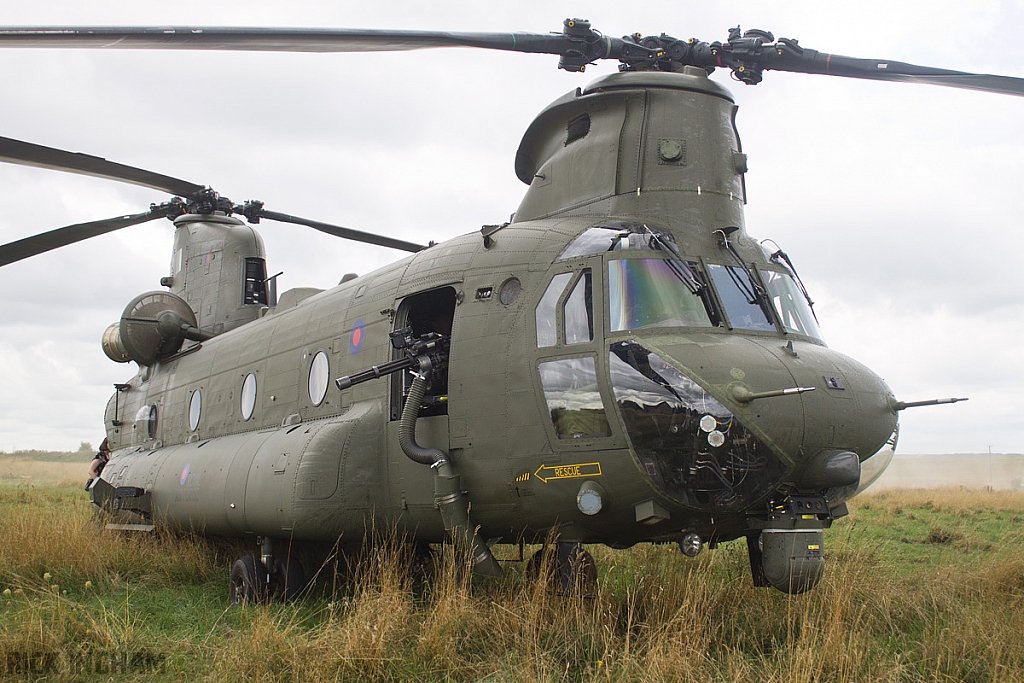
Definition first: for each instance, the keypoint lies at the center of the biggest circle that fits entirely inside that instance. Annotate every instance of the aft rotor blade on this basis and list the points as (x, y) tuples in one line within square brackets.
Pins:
[(812, 61), (346, 233), (61, 237), (29, 154), (273, 39)]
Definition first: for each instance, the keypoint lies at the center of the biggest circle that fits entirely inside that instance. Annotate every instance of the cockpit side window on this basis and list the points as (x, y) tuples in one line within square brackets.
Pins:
[(573, 398), (547, 323), (578, 311), (791, 305)]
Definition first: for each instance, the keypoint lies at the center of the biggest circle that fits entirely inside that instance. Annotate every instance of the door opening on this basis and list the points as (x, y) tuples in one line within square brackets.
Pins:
[(432, 311)]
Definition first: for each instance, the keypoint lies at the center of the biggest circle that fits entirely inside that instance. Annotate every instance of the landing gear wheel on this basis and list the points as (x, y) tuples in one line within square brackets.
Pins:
[(541, 565), (289, 579), (570, 569), (423, 563), (247, 585)]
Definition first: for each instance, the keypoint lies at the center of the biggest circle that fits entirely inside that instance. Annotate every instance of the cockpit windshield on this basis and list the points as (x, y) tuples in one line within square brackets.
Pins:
[(794, 312), (650, 293), (742, 304)]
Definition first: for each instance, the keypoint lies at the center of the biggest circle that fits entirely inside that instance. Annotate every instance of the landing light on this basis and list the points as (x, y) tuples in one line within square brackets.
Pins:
[(691, 544), (589, 499)]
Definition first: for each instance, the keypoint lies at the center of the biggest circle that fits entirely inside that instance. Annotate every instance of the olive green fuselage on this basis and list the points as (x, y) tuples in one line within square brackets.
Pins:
[(538, 408)]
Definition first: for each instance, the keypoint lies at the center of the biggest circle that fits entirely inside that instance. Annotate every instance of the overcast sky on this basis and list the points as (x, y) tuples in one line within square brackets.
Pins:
[(899, 204)]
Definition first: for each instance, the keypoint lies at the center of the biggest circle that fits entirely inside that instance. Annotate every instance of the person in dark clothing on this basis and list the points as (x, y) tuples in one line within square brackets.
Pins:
[(98, 462)]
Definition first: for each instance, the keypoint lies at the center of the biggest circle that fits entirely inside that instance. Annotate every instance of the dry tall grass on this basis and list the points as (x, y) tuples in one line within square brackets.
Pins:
[(29, 471), (880, 614)]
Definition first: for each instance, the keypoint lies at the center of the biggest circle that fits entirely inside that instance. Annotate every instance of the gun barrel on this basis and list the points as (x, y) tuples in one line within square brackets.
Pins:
[(375, 372)]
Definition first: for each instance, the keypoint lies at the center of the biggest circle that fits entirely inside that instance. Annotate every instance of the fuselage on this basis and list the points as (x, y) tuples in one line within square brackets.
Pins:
[(543, 395), (600, 381)]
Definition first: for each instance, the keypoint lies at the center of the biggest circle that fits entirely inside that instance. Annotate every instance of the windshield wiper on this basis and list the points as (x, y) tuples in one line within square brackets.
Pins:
[(753, 291), (682, 271), (778, 257)]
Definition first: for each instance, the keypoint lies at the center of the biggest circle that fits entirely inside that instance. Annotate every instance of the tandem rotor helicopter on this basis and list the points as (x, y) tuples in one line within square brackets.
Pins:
[(619, 363)]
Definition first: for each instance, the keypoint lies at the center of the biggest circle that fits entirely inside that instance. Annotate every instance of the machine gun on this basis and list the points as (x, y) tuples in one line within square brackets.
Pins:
[(428, 353)]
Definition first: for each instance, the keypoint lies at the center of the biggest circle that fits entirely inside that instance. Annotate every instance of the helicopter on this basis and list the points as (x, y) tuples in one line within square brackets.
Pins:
[(551, 387)]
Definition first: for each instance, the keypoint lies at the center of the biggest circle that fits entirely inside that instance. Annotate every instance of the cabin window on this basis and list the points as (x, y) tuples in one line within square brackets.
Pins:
[(738, 298), (147, 417), (547, 325), (195, 410), (247, 398), (578, 311), (510, 290), (573, 398), (649, 293), (319, 373)]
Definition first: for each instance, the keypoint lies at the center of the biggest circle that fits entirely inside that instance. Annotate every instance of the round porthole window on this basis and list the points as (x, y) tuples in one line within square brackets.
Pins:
[(195, 409), (248, 397), (147, 416), (319, 370), (510, 290)]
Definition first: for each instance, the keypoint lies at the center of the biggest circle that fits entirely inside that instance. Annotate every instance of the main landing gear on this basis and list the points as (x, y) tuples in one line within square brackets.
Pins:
[(269, 576), (567, 568)]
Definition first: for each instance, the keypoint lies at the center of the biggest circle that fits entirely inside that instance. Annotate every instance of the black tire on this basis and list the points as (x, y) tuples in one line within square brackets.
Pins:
[(422, 564), (289, 578), (578, 573), (567, 568), (247, 584), (544, 560)]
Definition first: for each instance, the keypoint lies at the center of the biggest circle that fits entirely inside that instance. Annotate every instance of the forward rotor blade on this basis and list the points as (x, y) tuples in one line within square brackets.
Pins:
[(61, 237), (29, 154), (577, 44), (346, 233), (273, 39), (812, 61)]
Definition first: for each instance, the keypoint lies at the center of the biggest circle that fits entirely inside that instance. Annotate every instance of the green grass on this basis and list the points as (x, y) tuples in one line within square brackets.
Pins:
[(919, 586)]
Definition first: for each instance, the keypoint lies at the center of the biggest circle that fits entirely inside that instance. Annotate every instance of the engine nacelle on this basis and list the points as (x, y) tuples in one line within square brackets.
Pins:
[(153, 326)]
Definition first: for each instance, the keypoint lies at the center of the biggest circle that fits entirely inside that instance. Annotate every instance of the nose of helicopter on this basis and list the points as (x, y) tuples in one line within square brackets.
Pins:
[(848, 409)]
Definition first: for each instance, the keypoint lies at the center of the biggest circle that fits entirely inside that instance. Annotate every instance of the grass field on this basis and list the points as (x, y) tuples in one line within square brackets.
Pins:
[(45, 468), (919, 586)]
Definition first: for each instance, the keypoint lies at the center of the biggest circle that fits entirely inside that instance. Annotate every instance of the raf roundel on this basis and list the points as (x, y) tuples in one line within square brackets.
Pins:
[(355, 342), (184, 473)]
